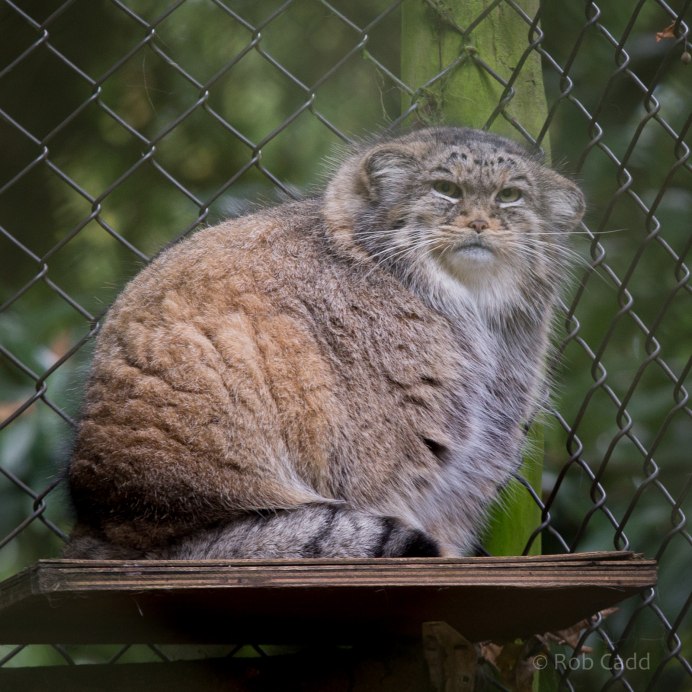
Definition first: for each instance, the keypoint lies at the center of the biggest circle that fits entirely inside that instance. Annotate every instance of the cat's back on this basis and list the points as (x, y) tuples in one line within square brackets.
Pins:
[(235, 285), (237, 257), (266, 276)]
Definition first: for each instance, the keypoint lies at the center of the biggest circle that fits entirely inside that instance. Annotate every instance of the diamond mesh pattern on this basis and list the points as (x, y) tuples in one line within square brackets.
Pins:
[(126, 124)]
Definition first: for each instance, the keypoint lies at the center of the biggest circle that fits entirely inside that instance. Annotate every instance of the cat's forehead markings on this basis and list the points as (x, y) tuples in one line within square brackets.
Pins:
[(442, 170), (455, 157)]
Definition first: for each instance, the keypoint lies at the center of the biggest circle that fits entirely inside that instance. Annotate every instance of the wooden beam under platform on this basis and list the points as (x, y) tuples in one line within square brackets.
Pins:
[(311, 601)]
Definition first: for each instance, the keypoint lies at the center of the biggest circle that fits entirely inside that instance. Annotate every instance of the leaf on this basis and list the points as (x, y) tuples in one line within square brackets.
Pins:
[(514, 661), (668, 32), (571, 635)]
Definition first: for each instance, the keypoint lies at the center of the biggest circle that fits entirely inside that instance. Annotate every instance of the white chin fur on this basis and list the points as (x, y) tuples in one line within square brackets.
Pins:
[(474, 278), (472, 266)]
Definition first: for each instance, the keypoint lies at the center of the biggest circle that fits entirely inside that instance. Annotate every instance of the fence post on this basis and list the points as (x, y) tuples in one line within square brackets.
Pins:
[(449, 52)]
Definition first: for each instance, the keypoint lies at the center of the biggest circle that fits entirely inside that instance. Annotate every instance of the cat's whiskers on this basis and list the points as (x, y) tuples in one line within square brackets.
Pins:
[(589, 233), (570, 259), (532, 246), (402, 249), (403, 245), (412, 257)]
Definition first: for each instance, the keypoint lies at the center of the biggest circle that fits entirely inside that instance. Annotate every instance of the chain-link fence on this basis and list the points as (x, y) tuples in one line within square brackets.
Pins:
[(125, 124)]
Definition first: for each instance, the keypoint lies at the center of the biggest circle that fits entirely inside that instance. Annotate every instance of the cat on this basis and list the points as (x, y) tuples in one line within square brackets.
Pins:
[(343, 376)]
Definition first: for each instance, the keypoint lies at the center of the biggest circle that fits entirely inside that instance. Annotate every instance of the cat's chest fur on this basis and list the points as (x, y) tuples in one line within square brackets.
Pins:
[(437, 400)]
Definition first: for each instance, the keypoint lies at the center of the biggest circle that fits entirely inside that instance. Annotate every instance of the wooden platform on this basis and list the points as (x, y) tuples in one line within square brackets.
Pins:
[(310, 601)]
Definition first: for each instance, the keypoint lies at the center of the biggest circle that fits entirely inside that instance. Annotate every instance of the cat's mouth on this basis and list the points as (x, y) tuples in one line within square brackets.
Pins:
[(475, 250)]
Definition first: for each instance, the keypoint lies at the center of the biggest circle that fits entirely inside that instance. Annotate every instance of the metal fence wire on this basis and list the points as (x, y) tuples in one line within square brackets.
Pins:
[(125, 124)]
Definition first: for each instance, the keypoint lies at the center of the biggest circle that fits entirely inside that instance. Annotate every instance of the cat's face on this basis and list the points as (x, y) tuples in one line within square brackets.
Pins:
[(472, 205)]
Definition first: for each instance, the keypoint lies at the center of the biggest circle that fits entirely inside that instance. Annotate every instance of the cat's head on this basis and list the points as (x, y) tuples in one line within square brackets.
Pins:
[(450, 209)]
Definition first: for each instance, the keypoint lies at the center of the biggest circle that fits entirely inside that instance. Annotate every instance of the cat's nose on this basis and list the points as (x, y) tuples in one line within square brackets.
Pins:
[(478, 225)]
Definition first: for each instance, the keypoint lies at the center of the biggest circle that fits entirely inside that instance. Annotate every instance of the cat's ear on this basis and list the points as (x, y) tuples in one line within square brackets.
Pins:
[(566, 200), (387, 168)]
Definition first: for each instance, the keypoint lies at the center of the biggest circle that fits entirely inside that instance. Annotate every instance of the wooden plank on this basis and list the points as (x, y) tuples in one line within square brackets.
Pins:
[(295, 601)]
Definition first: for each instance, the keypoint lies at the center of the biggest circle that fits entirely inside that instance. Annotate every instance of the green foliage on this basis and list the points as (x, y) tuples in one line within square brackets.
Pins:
[(215, 132)]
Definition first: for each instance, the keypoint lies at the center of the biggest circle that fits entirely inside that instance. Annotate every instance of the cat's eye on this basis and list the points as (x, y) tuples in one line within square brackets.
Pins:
[(447, 188), (509, 195)]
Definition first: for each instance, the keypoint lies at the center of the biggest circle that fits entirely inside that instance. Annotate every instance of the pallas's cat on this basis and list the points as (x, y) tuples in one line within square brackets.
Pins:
[(347, 375)]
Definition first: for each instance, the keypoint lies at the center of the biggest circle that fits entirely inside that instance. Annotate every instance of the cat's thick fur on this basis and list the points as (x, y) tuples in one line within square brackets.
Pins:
[(342, 376)]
